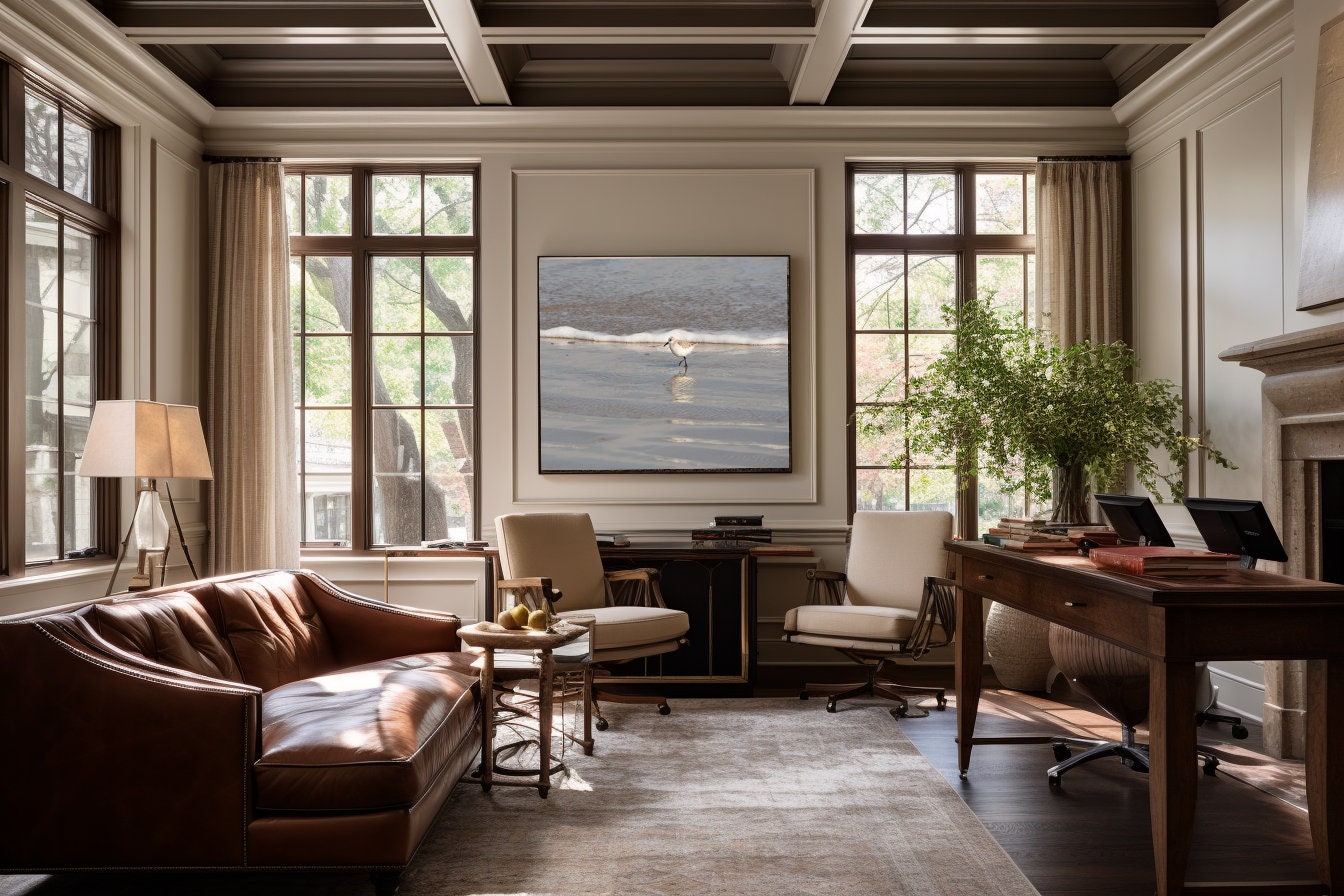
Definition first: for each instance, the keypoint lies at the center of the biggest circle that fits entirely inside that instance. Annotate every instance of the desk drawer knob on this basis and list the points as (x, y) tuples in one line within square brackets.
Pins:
[(1075, 603), (986, 578)]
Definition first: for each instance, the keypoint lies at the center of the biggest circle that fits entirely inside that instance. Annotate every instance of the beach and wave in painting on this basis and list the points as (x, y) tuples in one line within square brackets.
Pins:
[(617, 396)]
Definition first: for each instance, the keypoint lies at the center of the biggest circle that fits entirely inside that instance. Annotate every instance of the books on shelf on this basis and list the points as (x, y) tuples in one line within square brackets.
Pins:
[(458, 544), (1144, 560), (612, 540)]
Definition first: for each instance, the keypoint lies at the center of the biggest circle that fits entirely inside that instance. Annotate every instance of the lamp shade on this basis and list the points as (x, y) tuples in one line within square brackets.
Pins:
[(146, 439)]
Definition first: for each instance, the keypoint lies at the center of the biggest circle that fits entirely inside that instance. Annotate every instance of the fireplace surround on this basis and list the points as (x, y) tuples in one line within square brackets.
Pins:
[(1302, 398)]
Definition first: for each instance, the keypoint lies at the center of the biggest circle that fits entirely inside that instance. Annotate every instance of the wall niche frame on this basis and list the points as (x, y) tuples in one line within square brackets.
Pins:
[(662, 213)]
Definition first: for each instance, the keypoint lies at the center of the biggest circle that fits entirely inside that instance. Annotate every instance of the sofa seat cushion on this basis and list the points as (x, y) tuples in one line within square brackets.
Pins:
[(365, 738), (170, 629)]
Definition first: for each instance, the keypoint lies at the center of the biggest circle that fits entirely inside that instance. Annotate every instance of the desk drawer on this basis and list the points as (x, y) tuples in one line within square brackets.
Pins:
[(1113, 617)]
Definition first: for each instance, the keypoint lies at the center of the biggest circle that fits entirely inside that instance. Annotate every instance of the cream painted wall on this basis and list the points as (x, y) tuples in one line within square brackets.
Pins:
[(1220, 156)]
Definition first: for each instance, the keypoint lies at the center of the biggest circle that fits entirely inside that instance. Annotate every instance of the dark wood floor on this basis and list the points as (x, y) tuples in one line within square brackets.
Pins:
[(1091, 836)]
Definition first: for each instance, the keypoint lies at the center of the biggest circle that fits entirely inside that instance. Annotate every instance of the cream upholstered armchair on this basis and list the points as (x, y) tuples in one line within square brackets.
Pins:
[(554, 557), (893, 600)]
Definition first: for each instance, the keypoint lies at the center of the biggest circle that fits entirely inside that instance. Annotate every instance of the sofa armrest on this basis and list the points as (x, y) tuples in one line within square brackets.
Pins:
[(364, 630), (116, 764)]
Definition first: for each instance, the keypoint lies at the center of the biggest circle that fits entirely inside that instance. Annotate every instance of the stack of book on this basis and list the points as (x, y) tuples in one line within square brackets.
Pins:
[(1030, 535), (1101, 535), (734, 530), (1148, 560)]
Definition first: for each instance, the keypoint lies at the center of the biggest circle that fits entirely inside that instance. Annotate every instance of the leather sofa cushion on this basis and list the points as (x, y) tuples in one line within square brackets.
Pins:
[(274, 629), (172, 629), (364, 738)]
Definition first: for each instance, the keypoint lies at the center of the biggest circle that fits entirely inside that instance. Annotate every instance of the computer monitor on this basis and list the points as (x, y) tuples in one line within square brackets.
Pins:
[(1237, 526), (1134, 519)]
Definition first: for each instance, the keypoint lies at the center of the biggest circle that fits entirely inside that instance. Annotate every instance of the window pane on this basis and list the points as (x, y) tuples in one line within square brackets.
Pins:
[(1031, 287), (326, 210), (294, 203), (41, 139), (449, 290), (1004, 278), (326, 370), (450, 468), (78, 489), (879, 367), (880, 489), (879, 449), (327, 475), (879, 203), (995, 503), (998, 203), (448, 373), (933, 490), (396, 204), (396, 295), (42, 475), (326, 294), (925, 348), (396, 370), (396, 477), (448, 205), (879, 292), (78, 167), (42, 235), (1031, 203), (78, 254), (933, 284), (77, 344), (932, 204)]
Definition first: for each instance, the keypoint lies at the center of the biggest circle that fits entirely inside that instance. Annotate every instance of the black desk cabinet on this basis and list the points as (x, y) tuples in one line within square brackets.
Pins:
[(716, 586)]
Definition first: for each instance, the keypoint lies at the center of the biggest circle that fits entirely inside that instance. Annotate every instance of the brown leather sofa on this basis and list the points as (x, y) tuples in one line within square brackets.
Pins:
[(260, 721)]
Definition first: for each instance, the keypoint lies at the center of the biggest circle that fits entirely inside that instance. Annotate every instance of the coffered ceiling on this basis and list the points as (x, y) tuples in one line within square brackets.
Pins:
[(577, 53)]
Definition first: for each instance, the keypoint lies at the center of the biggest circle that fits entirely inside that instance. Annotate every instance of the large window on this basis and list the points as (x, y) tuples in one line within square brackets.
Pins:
[(922, 238), (383, 283), (56, 160)]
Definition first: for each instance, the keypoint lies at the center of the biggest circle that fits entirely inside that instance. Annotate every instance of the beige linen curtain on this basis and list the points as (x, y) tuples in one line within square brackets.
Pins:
[(1079, 243), (250, 419)]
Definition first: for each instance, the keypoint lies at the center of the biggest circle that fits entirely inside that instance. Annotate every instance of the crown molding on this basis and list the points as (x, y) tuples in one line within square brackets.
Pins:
[(69, 42), (1253, 38), (425, 133)]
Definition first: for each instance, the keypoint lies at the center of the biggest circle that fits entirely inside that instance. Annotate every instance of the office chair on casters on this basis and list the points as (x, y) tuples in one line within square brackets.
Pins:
[(1116, 679), (892, 601), (559, 553)]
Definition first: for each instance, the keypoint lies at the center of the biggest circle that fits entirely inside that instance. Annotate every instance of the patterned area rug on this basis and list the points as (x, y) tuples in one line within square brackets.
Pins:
[(752, 797)]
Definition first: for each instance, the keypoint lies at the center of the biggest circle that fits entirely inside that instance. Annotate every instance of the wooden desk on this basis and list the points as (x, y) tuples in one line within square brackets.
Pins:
[(1175, 622)]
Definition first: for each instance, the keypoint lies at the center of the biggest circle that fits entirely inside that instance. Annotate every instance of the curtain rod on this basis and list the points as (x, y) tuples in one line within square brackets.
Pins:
[(213, 159), (1082, 158)]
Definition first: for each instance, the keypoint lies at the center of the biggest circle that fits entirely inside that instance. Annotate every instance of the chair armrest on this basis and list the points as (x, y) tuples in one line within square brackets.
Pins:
[(825, 586), (119, 764), (936, 625), (639, 587), (364, 630)]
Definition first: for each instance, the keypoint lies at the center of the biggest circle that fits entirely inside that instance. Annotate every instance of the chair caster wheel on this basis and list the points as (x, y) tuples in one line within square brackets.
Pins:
[(1240, 732), (941, 700), (664, 709), (802, 695), (1055, 781), (1211, 766), (1062, 752), (601, 724), (830, 706)]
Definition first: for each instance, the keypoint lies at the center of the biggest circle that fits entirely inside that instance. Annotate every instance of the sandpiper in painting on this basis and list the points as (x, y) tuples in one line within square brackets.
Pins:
[(664, 363)]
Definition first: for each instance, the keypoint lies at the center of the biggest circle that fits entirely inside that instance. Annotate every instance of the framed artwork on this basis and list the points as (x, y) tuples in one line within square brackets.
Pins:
[(657, 364)]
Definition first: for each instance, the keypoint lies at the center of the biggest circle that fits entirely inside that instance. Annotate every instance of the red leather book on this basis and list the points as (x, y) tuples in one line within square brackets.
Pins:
[(1142, 560)]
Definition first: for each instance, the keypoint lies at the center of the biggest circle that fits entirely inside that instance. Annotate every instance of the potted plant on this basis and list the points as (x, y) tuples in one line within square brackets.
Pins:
[(1054, 422), (1007, 400)]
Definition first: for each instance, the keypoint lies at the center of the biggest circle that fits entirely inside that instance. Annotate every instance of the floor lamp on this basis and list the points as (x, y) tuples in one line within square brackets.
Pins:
[(150, 441)]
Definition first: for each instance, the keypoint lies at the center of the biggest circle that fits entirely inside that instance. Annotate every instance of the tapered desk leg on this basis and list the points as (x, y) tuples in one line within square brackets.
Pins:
[(970, 653), (546, 696), (487, 717), (1325, 792), (1172, 769)]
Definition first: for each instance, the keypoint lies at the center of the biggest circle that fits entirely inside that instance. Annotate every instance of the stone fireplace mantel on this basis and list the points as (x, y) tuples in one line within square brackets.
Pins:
[(1302, 420)]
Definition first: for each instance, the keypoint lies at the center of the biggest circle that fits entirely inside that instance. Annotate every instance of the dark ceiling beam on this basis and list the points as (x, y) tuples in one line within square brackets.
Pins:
[(1042, 13)]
